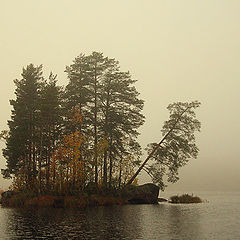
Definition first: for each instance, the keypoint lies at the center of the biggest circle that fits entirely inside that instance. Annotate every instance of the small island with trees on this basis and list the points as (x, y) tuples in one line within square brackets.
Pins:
[(77, 145)]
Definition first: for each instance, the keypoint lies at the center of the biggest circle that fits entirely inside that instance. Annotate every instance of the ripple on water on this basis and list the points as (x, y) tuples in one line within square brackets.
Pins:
[(217, 219)]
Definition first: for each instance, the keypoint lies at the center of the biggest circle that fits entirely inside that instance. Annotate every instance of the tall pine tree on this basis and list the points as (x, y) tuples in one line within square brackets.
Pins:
[(34, 129), (21, 145), (110, 107)]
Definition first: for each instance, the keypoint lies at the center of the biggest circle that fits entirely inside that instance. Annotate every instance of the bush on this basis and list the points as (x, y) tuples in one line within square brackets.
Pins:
[(42, 201), (30, 199), (17, 200), (185, 198)]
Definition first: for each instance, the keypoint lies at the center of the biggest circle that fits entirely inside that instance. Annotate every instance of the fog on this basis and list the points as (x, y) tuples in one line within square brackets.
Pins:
[(178, 50)]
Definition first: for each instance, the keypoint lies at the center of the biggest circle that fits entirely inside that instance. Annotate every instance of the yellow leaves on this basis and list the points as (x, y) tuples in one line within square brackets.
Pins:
[(67, 165), (72, 144)]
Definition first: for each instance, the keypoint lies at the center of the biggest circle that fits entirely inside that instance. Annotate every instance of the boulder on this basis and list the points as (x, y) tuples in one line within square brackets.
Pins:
[(143, 194)]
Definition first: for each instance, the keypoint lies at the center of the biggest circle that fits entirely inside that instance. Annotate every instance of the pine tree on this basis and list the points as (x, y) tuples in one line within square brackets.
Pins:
[(21, 145), (175, 148), (122, 116), (34, 129), (50, 126), (110, 109)]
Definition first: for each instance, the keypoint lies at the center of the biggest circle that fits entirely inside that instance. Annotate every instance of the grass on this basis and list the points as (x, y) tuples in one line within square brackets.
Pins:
[(185, 198)]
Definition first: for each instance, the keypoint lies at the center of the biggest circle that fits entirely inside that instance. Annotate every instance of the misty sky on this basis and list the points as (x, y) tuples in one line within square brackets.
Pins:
[(178, 50)]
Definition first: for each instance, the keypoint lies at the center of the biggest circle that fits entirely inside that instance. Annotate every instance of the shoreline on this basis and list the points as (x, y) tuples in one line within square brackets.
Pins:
[(50, 201)]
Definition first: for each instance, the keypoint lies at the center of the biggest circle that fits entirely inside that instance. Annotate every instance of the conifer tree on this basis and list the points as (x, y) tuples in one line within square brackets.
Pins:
[(110, 108), (176, 147), (21, 145), (50, 126), (34, 128)]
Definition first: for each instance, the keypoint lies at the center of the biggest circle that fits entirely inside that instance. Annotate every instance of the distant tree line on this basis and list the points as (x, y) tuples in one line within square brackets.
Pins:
[(60, 139)]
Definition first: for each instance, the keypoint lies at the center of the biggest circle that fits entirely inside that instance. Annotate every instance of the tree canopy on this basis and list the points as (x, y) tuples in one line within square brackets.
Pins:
[(176, 147), (60, 139), (88, 129)]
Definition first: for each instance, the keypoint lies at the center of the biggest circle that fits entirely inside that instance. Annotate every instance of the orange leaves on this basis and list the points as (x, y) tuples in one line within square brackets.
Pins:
[(67, 165), (71, 148), (72, 144)]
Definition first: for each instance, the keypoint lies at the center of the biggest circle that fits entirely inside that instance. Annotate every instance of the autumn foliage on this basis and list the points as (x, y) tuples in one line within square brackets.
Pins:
[(67, 169), (70, 170), (63, 139)]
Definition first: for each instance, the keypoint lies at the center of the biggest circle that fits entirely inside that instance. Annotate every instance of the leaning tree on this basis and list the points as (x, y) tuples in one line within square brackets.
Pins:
[(175, 148)]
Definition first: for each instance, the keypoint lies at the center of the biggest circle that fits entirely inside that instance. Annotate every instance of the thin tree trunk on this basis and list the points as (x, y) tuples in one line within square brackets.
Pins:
[(95, 127), (105, 168), (106, 130), (110, 163), (155, 149)]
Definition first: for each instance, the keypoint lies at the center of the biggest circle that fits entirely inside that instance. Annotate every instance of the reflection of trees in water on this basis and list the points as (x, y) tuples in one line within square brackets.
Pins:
[(32, 223), (118, 222), (162, 221), (4, 212), (184, 222)]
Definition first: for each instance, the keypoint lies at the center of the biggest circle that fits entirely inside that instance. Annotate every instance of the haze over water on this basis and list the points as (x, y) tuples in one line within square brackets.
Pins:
[(178, 51)]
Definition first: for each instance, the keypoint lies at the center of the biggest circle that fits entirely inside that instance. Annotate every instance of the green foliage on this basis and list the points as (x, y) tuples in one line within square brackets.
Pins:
[(34, 128), (111, 113), (178, 146), (22, 137), (49, 150), (108, 104), (3, 135)]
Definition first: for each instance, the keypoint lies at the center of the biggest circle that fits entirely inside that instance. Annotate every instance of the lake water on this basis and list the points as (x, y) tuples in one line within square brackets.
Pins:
[(218, 219)]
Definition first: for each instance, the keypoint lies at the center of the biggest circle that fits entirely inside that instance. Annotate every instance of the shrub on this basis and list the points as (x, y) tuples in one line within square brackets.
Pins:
[(185, 198), (42, 201), (17, 200)]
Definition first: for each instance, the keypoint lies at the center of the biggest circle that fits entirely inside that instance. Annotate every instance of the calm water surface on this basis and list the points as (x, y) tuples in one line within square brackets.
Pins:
[(218, 219)]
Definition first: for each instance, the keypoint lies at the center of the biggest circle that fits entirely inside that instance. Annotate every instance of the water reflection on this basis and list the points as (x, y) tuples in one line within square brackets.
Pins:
[(163, 221), (216, 220), (184, 222), (93, 223), (118, 222)]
